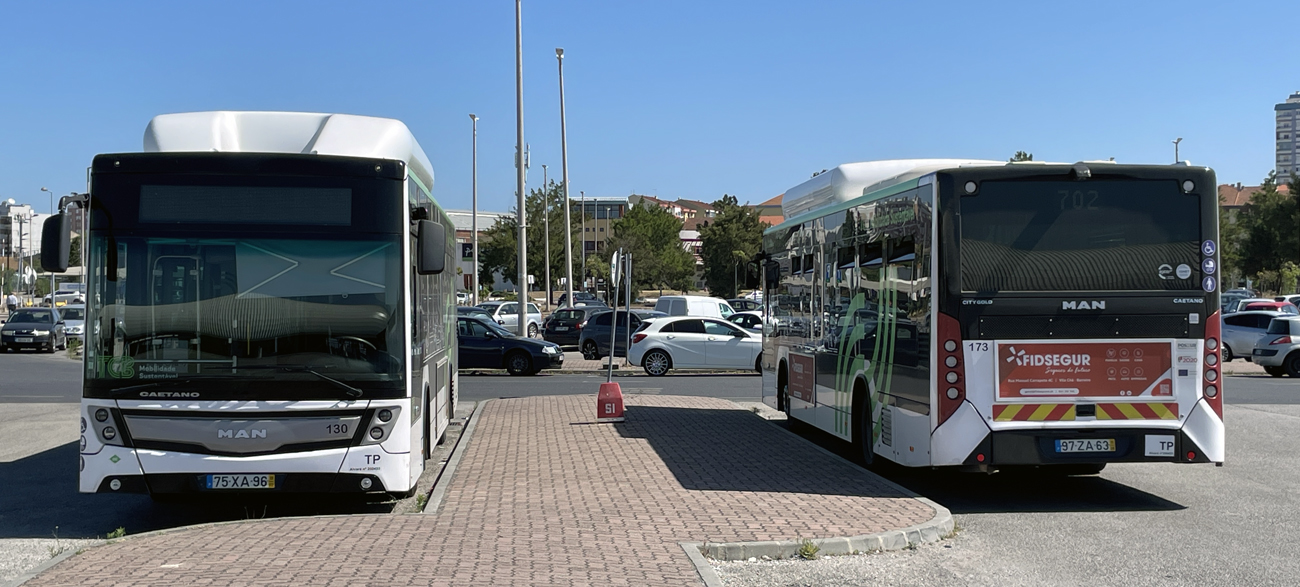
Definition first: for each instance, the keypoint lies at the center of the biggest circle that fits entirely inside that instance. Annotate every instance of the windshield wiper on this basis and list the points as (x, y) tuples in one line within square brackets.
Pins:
[(353, 392)]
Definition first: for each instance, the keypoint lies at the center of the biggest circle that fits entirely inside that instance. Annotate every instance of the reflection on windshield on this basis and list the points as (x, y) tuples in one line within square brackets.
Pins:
[(231, 307), (74, 314), (32, 317)]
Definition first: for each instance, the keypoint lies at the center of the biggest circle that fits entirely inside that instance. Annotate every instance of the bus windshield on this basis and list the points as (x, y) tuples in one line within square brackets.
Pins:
[(270, 310), (1105, 235)]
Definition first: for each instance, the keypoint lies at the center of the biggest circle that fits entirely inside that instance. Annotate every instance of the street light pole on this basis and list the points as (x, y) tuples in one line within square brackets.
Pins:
[(546, 229), (583, 198), (564, 165), (45, 189), (473, 215), (522, 279), (1176, 141)]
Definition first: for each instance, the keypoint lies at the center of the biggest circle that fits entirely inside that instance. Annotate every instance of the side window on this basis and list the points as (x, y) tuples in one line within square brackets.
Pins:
[(510, 308), (532, 309), (719, 328), (691, 326), (602, 319), (678, 308), (725, 310), (670, 327), (1239, 321), (1263, 320)]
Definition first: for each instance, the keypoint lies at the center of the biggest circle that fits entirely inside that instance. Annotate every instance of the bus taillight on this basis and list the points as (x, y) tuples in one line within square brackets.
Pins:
[(1212, 385), (952, 378)]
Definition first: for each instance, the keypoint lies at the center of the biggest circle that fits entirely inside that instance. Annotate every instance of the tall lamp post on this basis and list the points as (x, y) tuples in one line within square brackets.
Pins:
[(45, 189), (582, 196), (473, 215), (522, 279), (546, 230), (1176, 141), (564, 165)]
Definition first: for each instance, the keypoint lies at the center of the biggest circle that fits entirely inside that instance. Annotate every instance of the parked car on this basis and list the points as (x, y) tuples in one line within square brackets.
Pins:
[(564, 326), (484, 344), (1236, 305), (472, 311), (689, 342), (578, 296), (1282, 306), (751, 321), (462, 297), (63, 297), (694, 306), (594, 341), (744, 305), (74, 321), (1242, 330), (1278, 351), (507, 314), (34, 328)]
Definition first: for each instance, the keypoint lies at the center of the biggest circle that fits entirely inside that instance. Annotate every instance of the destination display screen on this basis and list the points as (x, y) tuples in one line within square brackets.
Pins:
[(1125, 235), (209, 204)]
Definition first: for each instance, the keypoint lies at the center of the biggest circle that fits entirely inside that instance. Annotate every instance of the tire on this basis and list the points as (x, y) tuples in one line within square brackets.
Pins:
[(863, 445), (1227, 354), (1292, 364), (589, 351), (1275, 371), (656, 363), (519, 363), (532, 331), (758, 364), (782, 398)]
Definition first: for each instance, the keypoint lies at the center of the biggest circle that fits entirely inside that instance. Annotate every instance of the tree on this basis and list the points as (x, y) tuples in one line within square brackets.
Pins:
[(74, 259), (498, 245), (733, 237), (1270, 225), (1021, 156), (653, 236)]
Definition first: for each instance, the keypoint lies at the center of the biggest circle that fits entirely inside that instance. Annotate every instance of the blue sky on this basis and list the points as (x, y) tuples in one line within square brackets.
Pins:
[(671, 98)]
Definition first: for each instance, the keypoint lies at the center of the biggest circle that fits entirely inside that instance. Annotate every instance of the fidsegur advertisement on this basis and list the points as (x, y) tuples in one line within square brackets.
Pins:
[(1038, 370)]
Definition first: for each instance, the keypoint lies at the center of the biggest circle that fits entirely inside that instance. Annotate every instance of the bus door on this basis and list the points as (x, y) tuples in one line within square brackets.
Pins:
[(174, 311)]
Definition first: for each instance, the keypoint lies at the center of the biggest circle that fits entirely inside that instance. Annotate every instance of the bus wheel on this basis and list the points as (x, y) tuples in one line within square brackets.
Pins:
[(862, 424), (1292, 364), (782, 398), (519, 363), (1275, 371)]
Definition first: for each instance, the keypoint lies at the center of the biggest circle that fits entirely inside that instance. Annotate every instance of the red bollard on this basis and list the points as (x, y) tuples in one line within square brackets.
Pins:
[(609, 403)]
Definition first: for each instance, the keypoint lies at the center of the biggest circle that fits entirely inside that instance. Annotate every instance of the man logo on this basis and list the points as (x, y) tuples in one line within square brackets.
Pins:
[(1083, 305), (241, 433)]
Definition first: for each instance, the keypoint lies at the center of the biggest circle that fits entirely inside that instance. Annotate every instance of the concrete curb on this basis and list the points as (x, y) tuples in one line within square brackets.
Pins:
[(702, 566), (932, 530), (448, 473)]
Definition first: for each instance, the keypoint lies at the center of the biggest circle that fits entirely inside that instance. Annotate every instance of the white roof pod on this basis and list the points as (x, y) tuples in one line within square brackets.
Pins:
[(345, 135), (853, 180)]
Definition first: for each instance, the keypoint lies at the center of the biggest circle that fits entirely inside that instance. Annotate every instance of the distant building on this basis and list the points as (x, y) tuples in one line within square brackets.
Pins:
[(1288, 144), (464, 222), (1233, 198)]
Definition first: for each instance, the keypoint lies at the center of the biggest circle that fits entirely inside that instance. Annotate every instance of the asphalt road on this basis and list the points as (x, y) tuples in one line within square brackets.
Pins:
[(1135, 524)]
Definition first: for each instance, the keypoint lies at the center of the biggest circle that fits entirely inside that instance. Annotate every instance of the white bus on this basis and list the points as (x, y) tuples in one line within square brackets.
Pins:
[(986, 315), (267, 309)]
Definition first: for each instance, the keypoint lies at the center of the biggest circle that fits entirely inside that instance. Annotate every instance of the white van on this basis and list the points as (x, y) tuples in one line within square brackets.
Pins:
[(694, 306)]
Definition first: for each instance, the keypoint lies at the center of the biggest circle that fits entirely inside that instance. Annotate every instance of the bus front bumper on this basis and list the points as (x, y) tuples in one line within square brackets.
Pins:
[(196, 484)]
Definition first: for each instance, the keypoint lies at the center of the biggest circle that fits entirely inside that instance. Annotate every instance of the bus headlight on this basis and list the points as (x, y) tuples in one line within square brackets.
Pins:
[(101, 415), (385, 415)]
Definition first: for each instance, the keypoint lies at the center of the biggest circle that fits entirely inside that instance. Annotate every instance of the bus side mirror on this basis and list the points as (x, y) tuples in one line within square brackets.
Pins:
[(56, 243), (431, 239), (772, 273)]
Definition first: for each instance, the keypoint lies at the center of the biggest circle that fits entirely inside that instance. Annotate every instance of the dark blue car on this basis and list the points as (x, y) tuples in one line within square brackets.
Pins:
[(484, 344)]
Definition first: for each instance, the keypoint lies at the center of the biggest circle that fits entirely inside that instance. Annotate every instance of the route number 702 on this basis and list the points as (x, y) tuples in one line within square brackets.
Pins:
[(977, 346)]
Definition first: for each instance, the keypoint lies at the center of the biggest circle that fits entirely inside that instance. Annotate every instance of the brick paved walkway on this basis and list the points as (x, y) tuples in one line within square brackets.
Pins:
[(545, 497)]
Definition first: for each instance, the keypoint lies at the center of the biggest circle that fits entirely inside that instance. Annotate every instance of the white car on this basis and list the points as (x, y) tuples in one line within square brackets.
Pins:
[(749, 320), (692, 342), (74, 321), (507, 314)]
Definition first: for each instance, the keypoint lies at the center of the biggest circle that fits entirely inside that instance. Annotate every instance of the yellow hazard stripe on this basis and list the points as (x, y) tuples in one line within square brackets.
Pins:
[(1041, 413), (1163, 411), (1008, 413)]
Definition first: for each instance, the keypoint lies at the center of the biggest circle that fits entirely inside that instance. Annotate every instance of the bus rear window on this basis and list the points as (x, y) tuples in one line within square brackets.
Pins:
[(1129, 235)]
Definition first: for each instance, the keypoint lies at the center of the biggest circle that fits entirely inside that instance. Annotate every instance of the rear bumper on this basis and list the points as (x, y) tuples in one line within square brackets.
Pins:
[(562, 338), (1273, 360), (1039, 447)]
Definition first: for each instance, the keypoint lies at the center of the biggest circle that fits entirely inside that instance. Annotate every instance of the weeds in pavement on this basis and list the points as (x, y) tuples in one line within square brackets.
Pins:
[(58, 547), (951, 533), (421, 500), (115, 534), (808, 550)]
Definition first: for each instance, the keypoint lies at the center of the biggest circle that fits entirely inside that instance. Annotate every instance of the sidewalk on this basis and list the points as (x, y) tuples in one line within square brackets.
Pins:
[(543, 496)]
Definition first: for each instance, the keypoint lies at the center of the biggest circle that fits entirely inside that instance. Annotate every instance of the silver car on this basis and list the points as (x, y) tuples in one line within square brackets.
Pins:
[(1242, 330), (74, 321), (507, 314), (1279, 350)]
